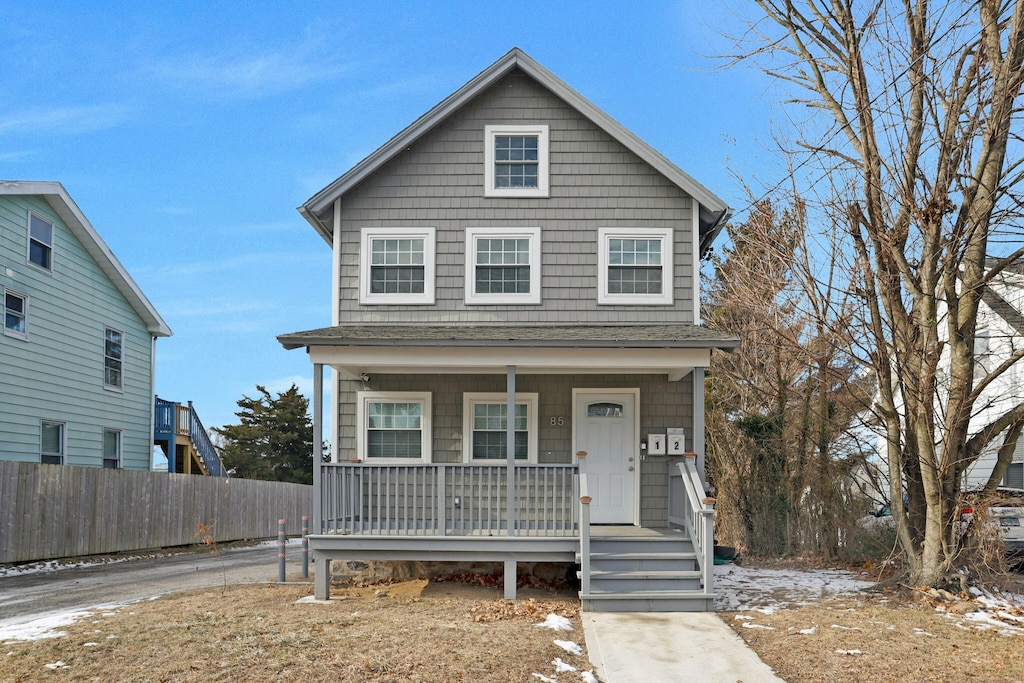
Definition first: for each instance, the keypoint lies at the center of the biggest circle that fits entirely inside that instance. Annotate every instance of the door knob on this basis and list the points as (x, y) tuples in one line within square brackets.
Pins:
[(630, 468), (631, 458)]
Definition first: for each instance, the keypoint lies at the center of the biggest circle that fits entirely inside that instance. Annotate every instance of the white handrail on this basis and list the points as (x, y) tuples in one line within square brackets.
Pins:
[(698, 518)]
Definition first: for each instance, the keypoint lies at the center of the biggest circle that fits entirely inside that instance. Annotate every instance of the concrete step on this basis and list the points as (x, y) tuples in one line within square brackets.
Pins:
[(649, 601)]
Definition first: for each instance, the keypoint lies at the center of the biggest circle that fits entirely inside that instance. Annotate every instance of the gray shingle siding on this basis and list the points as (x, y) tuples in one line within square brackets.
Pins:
[(663, 404), (595, 182)]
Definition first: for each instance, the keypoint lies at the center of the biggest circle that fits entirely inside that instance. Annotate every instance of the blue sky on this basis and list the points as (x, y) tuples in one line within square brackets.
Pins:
[(188, 133)]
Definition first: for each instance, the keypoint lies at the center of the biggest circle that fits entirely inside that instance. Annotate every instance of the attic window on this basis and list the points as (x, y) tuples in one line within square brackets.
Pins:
[(516, 161), (40, 242)]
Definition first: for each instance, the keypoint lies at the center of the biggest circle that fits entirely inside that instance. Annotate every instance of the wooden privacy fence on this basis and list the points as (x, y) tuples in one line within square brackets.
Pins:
[(52, 511)]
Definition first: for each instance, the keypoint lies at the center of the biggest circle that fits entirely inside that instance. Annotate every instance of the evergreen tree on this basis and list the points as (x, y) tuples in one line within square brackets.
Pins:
[(274, 440)]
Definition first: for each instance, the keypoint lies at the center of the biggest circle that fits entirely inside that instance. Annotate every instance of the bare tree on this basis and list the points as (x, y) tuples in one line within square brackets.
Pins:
[(782, 407), (920, 163)]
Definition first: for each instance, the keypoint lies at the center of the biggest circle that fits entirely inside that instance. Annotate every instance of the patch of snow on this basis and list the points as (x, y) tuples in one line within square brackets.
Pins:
[(56, 665), (544, 678), (556, 623), (89, 644), (849, 652), (849, 628), (561, 666), (569, 646), (739, 588), (922, 632), (38, 627), (747, 624), (589, 677), (808, 631)]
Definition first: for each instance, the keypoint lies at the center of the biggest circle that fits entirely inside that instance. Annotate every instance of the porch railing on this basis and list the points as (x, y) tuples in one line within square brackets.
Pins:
[(694, 511), (447, 499)]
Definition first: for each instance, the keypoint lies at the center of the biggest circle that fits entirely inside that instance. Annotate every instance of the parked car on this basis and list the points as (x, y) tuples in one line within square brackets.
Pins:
[(1005, 511)]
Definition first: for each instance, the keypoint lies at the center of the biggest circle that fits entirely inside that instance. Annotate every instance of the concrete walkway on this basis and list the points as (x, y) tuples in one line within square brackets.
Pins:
[(677, 647)]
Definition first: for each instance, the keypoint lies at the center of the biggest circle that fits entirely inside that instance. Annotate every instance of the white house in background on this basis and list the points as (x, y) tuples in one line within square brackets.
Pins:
[(1000, 333)]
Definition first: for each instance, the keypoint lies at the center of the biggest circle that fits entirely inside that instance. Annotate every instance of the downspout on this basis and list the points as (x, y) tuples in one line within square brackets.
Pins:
[(335, 321), (152, 401)]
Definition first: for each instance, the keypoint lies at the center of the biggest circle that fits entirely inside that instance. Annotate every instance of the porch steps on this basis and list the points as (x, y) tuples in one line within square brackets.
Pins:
[(648, 573)]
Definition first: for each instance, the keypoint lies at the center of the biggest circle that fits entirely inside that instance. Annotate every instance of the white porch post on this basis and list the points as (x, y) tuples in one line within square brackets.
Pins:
[(698, 421), (318, 440), (510, 448)]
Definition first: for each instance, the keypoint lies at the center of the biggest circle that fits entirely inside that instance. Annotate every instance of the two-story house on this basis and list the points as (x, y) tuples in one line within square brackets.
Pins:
[(999, 338), (517, 252), (78, 341)]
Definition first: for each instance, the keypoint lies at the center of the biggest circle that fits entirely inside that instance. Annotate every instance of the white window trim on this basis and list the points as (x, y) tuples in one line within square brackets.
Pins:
[(472, 398), (113, 387), (63, 440), (24, 297), (28, 242), (531, 297), (120, 447), (604, 235), (543, 176), (366, 238), (364, 398)]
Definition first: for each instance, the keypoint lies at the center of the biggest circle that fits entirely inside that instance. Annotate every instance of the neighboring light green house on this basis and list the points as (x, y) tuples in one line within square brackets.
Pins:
[(79, 339)]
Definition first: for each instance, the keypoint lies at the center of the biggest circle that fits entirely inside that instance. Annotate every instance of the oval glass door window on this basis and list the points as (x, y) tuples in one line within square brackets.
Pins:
[(604, 409)]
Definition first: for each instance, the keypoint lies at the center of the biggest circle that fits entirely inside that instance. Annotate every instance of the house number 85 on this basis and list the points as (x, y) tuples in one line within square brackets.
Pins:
[(557, 421)]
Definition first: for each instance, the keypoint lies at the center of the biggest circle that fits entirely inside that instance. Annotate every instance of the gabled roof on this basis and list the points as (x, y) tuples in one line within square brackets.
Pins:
[(713, 211), (1010, 277), (64, 206)]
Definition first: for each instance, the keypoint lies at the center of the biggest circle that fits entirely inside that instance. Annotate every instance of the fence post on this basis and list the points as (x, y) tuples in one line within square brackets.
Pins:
[(282, 541), (305, 546)]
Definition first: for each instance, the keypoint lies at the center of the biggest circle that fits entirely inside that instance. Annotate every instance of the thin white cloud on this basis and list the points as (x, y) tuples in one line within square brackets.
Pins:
[(250, 75), (67, 120)]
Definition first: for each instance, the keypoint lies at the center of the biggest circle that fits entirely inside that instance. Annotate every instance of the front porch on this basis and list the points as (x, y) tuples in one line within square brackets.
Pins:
[(462, 513), (428, 464)]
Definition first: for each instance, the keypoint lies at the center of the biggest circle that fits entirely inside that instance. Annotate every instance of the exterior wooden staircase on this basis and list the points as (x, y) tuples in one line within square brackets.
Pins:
[(178, 430), (644, 570)]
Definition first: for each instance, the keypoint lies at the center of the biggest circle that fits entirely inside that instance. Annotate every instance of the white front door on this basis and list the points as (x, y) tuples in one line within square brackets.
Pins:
[(606, 429)]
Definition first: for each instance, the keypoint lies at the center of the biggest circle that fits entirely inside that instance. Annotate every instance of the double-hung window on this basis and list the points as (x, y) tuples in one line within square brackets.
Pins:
[(40, 242), (516, 161), (397, 266), (634, 266), (503, 265), (485, 427), (113, 356), (15, 314), (111, 448), (393, 426), (1014, 477), (51, 449)]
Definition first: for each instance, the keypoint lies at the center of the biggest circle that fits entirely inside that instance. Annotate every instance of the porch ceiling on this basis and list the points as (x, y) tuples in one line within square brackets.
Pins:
[(673, 350)]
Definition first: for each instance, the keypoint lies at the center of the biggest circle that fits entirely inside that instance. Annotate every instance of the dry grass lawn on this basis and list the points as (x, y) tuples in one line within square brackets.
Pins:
[(419, 631), (407, 632), (872, 638)]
